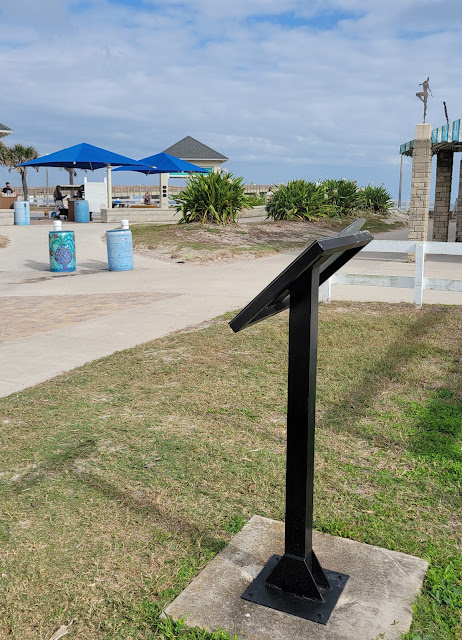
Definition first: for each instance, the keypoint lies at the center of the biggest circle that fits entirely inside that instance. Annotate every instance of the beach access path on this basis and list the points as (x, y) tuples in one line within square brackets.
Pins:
[(51, 323)]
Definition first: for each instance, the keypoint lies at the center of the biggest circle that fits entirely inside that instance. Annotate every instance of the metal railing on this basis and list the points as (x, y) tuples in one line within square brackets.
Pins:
[(418, 282), (140, 190)]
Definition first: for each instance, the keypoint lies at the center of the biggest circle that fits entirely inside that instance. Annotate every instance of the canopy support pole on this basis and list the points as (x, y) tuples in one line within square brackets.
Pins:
[(109, 187), (48, 201)]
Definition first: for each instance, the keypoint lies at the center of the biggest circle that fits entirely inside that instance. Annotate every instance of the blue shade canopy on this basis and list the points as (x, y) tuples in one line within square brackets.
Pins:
[(163, 163), (81, 156)]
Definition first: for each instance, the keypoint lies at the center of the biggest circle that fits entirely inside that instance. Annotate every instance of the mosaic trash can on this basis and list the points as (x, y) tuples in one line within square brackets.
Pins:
[(81, 211), (21, 212), (62, 251), (119, 249)]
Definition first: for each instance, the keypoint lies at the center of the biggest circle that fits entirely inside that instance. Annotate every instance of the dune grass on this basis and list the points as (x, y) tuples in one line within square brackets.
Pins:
[(121, 479)]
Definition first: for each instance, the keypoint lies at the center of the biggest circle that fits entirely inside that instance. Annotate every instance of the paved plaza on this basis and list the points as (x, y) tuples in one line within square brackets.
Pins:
[(50, 323)]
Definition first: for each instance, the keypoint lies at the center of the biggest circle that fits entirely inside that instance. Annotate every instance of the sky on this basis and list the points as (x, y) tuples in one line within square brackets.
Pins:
[(286, 89)]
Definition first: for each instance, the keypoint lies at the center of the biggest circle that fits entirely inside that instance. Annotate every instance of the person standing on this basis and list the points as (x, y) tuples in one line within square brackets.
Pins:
[(7, 190)]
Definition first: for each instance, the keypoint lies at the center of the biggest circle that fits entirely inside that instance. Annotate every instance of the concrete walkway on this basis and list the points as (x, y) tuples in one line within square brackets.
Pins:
[(51, 323)]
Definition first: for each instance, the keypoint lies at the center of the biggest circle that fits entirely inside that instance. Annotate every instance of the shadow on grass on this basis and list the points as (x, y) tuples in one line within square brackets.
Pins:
[(143, 505), (56, 463), (355, 402)]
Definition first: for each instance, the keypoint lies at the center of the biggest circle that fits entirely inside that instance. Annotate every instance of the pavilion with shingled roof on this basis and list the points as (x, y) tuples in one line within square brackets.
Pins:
[(198, 153), (191, 150), (5, 131)]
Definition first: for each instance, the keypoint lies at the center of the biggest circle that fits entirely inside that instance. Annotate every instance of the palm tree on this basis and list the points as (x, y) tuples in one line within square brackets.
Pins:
[(3, 153), (12, 156), (72, 173)]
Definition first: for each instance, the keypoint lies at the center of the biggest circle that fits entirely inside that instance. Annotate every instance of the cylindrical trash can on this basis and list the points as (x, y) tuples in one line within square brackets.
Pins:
[(81, 211), (21, 212), (62, 251), (119, 249)]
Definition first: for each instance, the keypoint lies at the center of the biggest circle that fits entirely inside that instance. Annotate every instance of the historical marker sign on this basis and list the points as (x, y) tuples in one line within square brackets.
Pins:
[(295, 582)]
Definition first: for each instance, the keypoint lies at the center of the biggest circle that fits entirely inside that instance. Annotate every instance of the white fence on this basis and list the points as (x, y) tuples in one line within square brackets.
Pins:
[(419, 282)]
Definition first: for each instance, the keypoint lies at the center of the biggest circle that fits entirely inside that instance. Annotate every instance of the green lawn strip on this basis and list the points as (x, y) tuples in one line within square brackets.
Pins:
[(4, 242), (121, 479)]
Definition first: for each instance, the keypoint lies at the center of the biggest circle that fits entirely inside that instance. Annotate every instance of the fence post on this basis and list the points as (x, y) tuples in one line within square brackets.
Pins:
[(419, 274), (326, 291)]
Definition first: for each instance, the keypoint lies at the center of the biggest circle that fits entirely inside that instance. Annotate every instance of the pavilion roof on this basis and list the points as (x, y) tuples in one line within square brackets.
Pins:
[(448, 136), (192, 150), (4, 130)]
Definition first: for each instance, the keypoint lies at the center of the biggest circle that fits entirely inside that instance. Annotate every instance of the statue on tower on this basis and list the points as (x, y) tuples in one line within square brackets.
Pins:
[(423, 95)]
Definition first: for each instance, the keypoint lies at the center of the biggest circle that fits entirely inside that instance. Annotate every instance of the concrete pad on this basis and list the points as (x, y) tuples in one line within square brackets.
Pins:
[(376, 602)]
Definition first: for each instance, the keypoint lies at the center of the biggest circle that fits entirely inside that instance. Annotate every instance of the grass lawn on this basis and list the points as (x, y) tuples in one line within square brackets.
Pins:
[(121, 479), (199, 243), (4, 242)]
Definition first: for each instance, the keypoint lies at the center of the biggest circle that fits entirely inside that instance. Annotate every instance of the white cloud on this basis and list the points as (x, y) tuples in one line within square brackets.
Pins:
[(282, 99)]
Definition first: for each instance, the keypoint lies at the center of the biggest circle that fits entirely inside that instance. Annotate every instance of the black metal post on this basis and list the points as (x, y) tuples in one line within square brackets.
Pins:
[(299, 569), (296, 583)]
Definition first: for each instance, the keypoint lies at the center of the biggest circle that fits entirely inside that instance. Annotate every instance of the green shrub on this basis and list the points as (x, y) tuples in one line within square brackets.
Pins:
[(298, 199), (256, 200), (377, 199), (212, 197), (343, 196)]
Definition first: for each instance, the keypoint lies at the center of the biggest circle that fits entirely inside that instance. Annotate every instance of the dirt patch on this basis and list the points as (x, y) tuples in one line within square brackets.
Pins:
[(206, 243), (4, 242)]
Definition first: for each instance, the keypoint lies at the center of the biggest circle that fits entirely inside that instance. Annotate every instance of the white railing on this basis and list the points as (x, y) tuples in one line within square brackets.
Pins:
[(418, 282)]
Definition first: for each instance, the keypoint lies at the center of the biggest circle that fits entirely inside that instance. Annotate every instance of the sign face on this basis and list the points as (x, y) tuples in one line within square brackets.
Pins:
[(327, 254)]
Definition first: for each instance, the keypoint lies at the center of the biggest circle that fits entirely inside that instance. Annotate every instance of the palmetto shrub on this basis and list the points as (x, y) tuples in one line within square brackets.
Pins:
[(256, 199), (309, 201), (212, 197), (298, 199), (377, 199), (343, 196)]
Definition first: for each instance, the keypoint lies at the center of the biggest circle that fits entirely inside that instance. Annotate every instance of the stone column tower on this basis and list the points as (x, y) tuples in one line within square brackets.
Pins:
[(459, 208), (420, 185), (442, 195)]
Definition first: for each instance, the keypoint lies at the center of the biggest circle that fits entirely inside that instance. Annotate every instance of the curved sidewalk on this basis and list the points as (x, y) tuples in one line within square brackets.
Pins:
[(51, 323)]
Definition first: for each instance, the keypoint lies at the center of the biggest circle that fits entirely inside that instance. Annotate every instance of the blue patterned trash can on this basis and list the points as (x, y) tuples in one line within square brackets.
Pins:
[(62, 251), (119, 250), (21, 212), (81, 211)]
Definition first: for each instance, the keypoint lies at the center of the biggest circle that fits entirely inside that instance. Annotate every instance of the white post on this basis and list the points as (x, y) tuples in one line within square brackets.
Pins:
[(109, 187), (326, 291), (163, 190), (419, 274)]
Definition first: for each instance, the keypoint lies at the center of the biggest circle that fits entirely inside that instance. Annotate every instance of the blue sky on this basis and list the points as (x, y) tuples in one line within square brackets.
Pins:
[(285, 89)]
